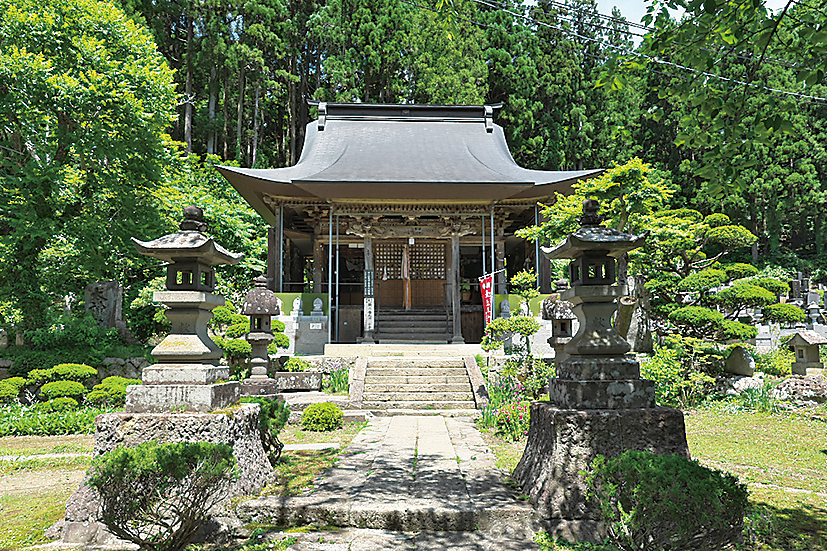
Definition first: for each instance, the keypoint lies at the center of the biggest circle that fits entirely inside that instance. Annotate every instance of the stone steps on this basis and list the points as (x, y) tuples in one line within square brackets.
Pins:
[(416, 383), (419, 405), (399, 325)]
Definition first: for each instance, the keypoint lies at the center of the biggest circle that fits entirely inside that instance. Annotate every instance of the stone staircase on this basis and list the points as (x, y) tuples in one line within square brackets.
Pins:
[(397, 325), (414, 383)]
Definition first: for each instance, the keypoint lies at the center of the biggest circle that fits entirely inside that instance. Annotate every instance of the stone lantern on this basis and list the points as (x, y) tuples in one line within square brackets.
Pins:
[(598, 404), (805, 345), (260, 304), (187, 375)]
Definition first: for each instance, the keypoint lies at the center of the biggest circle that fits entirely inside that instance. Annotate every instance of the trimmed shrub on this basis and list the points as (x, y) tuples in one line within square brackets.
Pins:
[(238, 330), (703, 281), (16, 382), (60, 389), (322, 417), (57, 405), (697, 320), (8, 393), (666, 502), (274, 415), (717, 219), (771, 284), (280, 340), (783, 313), (735, 330), (62, 372), (295, 364), (277, 326), (739, 270), (234, 349), (158, 495), (110, 392)]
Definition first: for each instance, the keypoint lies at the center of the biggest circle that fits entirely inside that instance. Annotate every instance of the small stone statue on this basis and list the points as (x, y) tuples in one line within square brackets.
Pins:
[(318, 305), (297, 307)]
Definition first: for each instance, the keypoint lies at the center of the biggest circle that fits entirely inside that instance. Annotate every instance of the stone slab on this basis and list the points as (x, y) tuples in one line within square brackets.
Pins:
[(184, 374), (592, 368), (298, 380), (561, 443), (633, 393), (166, 398)]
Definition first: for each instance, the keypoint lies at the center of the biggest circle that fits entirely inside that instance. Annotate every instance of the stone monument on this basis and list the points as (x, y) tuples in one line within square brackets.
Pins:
[(598, 404), (260, 304), (184, 397)]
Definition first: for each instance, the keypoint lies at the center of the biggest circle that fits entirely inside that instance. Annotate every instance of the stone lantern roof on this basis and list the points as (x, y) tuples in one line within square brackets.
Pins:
[(260, 301), (189, 243)]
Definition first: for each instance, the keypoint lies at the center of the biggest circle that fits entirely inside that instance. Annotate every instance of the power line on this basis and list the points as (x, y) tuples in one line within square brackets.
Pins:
[(627, 52)]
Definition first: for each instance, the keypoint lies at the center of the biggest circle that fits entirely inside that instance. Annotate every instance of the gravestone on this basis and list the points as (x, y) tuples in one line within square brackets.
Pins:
[(103, 300)]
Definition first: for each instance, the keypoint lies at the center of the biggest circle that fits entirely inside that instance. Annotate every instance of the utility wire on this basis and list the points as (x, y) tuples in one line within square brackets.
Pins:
[(628, 52)]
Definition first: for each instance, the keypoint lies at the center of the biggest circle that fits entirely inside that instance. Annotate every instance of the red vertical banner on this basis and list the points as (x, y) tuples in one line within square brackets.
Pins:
[(487, 292)]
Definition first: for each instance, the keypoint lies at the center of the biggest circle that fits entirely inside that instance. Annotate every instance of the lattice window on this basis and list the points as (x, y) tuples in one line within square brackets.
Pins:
[(428, 261), (388, 260)]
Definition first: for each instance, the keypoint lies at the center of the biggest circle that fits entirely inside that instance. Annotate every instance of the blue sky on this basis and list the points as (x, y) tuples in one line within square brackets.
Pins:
[(633, 10)]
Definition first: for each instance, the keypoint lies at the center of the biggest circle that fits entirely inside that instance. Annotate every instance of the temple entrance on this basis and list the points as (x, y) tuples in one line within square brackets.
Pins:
[(410, 275)]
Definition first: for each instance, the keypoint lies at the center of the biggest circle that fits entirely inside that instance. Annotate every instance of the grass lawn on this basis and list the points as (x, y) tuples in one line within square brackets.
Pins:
[(781, 457)]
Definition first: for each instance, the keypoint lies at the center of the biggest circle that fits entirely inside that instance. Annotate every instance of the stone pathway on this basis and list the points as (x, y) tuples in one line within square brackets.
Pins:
[(408, 482)]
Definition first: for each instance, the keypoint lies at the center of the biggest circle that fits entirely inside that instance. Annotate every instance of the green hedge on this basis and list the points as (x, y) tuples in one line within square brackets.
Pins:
[(17, 420), (63, 372), (110, 392), (322, 417), (60, 389)]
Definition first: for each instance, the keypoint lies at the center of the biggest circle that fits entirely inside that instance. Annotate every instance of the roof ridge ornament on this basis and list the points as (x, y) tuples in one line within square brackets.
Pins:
[(489, 118), (322, 115)]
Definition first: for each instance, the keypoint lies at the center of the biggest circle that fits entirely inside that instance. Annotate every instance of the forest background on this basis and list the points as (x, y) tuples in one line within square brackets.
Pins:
[(113, 113)]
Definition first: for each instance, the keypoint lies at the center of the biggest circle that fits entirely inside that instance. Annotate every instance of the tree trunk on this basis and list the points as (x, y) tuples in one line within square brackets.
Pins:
[(188, 88), (211, 135), (292, 112), (255, 127), (226, 117), (239, 146)]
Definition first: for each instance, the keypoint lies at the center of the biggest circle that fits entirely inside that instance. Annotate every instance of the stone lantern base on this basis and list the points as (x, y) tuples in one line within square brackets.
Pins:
[(238, 427), (563, 442)]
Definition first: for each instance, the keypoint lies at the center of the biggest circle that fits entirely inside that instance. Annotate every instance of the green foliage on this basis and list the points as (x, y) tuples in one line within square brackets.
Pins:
[(666, 502), (274, 415), (8, 392), (110, 392), (234, 349), (703, 281), (524, 284), (17, 420), (512, 420), (295, 364), (739, 270), (337, 382), (280, 340), (322, 417), (238, 330), (677, 382), (697, 321), (502, 328), (93, 77), (743, 294), (63, 372), (16, 382), (735, 330), (716, 220), (59, 389), (783, 313), (158, 495), (771, 284), (57, 405), (776, 362)]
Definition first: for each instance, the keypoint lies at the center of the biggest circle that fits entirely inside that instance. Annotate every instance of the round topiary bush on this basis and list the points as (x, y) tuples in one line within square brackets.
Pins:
[(110, 392), (58, 404), (60, 389), (16, 382), (322, 417), (295, 365), (62, 372)]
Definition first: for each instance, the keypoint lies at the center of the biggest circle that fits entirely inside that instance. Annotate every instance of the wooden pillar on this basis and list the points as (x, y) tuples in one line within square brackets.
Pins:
[(369, 302), (502, 277), (275, 252), (454, 279), (318, 261), (272, 259)]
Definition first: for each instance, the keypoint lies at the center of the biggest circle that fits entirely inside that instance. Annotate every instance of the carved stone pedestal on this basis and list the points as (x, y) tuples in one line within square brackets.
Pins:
[(561, 443), (239, 428)]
